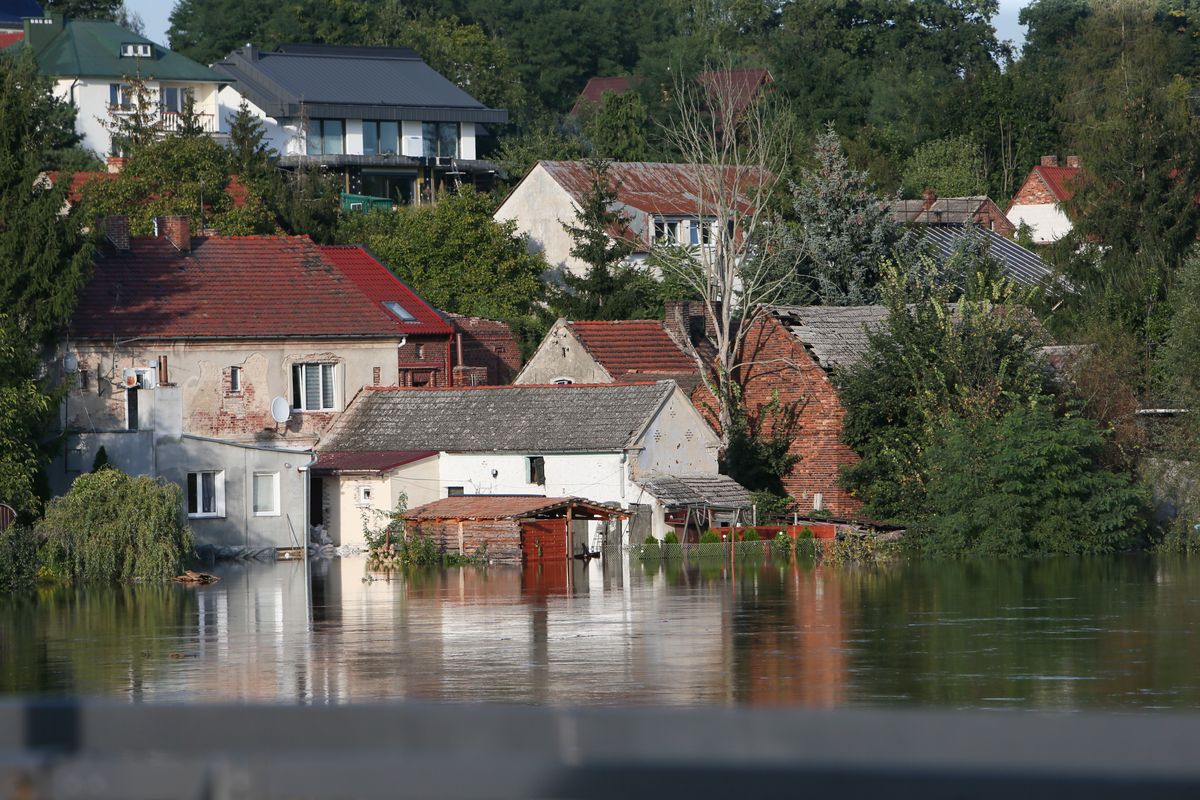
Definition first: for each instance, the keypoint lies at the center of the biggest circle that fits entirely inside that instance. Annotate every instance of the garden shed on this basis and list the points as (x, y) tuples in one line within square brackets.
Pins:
[(694, 503), (515, 528)]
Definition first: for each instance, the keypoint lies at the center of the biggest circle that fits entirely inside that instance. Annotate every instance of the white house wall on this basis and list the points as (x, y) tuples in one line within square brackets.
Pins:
[(677, 442), (347, 518), (539, 206), (286, 139), (1046, 220), (91, 95)]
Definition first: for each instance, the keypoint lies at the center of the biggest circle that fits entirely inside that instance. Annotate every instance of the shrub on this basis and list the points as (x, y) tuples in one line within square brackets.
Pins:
[(710, 537), (750, 535), (19, 560), (670, 538), (113, 527), (806, 533), (651, 550)]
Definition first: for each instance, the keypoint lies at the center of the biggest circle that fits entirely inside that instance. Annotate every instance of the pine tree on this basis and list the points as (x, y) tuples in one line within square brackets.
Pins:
[(842, 230), (189, 125), (609, 289), (249, 154), (137, 122), (617, 128)]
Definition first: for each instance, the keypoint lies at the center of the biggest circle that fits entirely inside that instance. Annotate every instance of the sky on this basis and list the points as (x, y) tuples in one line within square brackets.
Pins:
[(155, 14)]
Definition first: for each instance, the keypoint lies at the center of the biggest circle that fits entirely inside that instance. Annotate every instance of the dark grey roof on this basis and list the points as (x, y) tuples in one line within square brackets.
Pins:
[(354, 82), (713, 491), (835, 335), (12, 12), (1021, 265), (527, 419)]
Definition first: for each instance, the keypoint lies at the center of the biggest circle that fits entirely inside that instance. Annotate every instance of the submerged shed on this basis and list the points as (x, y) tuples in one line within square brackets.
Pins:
[(511, 527), (695, 503)]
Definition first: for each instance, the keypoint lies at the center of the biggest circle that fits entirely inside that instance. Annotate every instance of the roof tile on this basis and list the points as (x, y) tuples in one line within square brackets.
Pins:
[(631, 347)]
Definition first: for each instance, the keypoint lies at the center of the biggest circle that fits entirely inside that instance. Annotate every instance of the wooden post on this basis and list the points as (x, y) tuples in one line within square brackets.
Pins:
[(567, 534)]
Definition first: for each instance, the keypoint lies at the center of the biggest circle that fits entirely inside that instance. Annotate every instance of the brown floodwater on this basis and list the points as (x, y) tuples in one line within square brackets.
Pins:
[(1117, 632)]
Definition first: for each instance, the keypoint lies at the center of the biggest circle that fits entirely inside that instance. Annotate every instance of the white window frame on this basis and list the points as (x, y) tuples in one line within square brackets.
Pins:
[(670, 234), (362, 495), (274, 511), (218, 494), (300, 399)]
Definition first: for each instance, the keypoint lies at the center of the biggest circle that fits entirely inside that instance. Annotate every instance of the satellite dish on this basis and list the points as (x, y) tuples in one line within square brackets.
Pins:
[(281, 411)]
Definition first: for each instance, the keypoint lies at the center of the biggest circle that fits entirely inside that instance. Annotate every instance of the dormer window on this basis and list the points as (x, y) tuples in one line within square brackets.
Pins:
[(136, 50), (399, 310), (666, 231)]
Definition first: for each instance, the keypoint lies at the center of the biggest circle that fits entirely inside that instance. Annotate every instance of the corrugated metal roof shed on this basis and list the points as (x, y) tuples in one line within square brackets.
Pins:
[(580, 418), (711, 491)]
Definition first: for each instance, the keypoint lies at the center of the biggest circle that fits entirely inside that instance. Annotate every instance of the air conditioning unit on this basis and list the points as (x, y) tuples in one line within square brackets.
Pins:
[(139, 378)]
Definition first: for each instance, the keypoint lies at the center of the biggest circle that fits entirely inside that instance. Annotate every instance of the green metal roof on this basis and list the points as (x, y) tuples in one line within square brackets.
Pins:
[(92, 49)]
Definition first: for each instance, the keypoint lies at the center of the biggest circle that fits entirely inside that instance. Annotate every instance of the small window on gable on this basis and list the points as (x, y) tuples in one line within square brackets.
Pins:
[(136, 50), (399, 310), (235, 379), (537, 470), (420, 350), (364, 496), (454, 491)]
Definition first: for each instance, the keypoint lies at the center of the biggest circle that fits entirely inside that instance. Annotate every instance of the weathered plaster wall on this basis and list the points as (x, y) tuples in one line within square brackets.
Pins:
[(677, 442), (202, 372), (540, 206), (559, 357), (348, 518)]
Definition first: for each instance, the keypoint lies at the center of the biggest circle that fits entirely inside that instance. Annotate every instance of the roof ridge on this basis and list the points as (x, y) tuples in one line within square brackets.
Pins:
[(555, 386)]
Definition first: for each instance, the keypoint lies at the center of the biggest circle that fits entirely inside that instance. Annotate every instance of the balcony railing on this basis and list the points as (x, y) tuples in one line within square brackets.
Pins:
[(170, 121)]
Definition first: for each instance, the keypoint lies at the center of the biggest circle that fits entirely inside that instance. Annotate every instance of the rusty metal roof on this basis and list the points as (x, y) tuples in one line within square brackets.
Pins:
[(366, 461), (673, 190), (505, 506)]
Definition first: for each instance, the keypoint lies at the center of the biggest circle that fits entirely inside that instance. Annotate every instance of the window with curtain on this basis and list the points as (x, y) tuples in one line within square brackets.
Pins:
[(206, 494), (312, 387)]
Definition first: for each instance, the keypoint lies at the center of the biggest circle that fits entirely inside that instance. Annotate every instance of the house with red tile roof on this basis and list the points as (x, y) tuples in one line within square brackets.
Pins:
[(609, 352), (660, 203), (217, 362), (1039, 201)]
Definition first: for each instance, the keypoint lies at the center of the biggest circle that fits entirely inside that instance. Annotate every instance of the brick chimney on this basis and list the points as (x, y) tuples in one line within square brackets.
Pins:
[(1049, 161), (177, 230), (928, 199), (115, 164), (688, 321), (1073, 162), (116, 230)]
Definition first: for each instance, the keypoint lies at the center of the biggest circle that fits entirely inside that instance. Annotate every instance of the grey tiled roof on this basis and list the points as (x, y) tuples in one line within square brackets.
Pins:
[(956, 210), (1021, 265), (836, 335), (715, 491), (525, 419)]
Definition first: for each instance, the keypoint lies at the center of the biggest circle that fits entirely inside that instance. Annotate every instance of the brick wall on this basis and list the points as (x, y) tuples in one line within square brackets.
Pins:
[(990, 217), (423, 355), (773, 361), (245, 414), (503, 537), (488, 343), (1034, 191)]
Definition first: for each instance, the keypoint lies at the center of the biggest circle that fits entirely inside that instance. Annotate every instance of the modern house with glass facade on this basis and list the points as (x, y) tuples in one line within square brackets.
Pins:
[(380, 117)]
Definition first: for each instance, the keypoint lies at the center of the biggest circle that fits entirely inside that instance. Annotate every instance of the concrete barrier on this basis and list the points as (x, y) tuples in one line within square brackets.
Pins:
[(101, 749)]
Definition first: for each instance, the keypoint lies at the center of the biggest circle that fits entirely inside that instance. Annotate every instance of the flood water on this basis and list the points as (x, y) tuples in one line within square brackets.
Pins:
[(1120, 632)]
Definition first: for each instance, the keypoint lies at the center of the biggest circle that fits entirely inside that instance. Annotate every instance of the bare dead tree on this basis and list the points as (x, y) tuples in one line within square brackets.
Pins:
[(735, 149)]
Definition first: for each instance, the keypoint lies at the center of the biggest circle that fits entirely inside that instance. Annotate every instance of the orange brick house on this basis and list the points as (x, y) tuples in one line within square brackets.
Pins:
[(1039, 201)]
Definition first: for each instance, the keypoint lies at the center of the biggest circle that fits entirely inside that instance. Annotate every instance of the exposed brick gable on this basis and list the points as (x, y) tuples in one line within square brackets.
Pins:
[(776, 365)]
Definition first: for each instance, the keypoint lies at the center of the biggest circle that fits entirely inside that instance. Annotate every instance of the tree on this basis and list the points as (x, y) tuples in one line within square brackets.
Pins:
[(189, 125), (177, 175), (112, 527), (934, 359), (454, 255), (137, 121), (249, 154), (841, 231), (617, 128), (610, 289), (547, 139), (1024, 483), (734, 157), (952, 167)]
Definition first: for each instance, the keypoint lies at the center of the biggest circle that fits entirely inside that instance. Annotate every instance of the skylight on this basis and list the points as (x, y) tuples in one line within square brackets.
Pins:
[(399, 310)]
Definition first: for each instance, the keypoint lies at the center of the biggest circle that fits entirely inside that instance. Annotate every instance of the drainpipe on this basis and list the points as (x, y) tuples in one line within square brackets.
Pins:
[(449, 361)]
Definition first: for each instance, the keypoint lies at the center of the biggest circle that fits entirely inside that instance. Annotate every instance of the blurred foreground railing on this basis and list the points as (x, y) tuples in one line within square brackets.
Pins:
[(101, 750)]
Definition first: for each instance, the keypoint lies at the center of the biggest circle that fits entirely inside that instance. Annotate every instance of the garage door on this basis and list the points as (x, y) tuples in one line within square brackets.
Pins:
[(543, 539)]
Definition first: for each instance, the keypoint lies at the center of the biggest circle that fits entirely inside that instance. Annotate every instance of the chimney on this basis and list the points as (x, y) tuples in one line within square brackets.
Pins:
[(177, 230), (116, 230), (39, 31), (115, 163), (1073, 162), (929, 198), (1049, 161)]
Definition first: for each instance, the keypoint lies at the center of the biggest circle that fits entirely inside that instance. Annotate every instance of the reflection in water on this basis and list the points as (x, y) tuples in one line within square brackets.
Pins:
[(1063, 633)]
